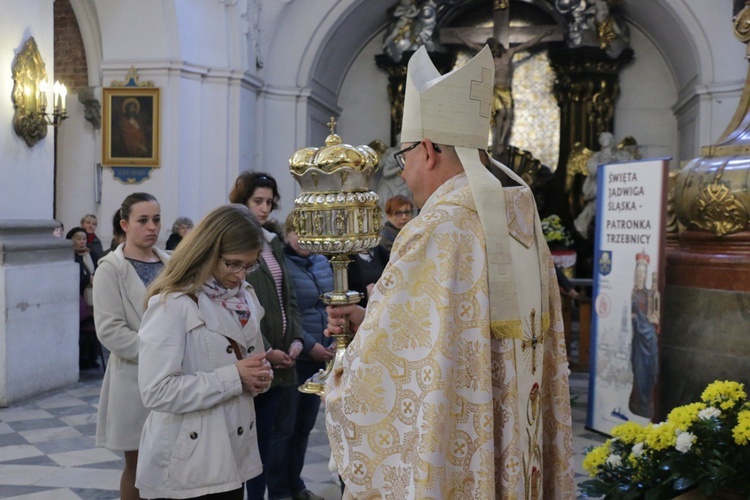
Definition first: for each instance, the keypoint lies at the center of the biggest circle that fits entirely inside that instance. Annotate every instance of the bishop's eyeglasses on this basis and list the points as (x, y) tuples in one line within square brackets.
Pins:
[(399, 155)]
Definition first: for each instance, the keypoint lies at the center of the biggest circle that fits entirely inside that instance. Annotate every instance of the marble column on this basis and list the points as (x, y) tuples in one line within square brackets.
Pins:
[(38, 310)]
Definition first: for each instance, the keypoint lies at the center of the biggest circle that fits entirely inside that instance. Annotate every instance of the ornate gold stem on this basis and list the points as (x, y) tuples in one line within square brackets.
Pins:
[(341, 295)]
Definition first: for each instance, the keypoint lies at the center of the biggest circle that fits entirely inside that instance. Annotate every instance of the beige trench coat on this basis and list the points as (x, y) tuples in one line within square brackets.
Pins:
[(119, 302), (200, 436)]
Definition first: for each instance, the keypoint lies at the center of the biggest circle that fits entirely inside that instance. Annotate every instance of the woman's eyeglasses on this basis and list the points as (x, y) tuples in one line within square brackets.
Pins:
[(233, 267), (399, 155)]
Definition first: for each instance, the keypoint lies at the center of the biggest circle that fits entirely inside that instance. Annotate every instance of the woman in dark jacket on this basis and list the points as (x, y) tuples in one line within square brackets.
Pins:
[(181, 227), (281, 325), (312, 276), (89, 224), (88, 344)]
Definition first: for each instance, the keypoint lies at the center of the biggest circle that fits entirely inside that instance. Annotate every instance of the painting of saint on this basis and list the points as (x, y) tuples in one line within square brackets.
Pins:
[(131, 130), (131, 127)]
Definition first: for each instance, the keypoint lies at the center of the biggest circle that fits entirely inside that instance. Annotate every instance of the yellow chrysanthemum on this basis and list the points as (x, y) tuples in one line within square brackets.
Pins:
[(684, 416), (661, 436), (741, 431), (724, 394), (628, 433), (596, 458)]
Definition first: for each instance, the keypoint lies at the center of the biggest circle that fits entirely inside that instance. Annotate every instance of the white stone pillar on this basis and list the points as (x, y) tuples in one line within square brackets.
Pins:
[(38, 310), (38, 276)]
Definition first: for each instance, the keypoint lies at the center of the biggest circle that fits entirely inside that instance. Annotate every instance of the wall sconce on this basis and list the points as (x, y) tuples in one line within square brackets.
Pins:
[(30, 96)]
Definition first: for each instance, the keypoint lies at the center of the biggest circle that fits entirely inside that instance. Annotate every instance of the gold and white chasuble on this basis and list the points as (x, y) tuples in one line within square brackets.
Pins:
[(429, 403)]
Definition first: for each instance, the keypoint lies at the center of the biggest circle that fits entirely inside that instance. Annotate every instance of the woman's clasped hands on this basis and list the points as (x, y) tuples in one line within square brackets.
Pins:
[(256, 373)]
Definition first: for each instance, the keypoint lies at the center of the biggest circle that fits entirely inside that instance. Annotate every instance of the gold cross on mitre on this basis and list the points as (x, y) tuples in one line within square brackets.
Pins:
[(482, 91)]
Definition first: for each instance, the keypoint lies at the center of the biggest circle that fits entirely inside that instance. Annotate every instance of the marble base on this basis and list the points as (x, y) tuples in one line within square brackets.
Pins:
[(38, 310), (705, 336), (704, 260)]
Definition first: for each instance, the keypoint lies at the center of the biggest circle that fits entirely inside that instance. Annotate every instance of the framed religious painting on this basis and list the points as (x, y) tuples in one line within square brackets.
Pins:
[(130, 127)]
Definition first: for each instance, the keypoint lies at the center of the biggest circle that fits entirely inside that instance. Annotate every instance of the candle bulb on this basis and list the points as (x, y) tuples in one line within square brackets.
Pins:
[(63, 94), (42, 96), (56, 97), (27, 98)]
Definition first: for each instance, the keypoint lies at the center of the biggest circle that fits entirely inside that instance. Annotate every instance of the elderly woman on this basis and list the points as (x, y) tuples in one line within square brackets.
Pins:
[(88, 346), (202, 362), (181, 227)]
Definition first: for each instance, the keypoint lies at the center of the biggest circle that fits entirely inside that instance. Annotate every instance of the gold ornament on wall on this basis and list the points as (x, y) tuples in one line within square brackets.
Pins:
[(673, 227), (711, 195), (30, 96), (718, 211), (741, 23)]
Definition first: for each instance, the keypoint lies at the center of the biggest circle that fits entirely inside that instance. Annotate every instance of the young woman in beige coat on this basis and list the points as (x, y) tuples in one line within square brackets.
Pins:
[(119, 300), (201, 363)]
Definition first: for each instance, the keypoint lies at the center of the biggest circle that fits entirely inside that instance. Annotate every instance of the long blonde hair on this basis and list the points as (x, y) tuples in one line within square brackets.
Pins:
[(227, 229)]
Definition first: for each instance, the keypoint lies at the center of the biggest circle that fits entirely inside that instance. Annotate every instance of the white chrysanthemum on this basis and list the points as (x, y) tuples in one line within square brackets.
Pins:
[(614, 460), (685, 441), (709, 412), (637, 450)]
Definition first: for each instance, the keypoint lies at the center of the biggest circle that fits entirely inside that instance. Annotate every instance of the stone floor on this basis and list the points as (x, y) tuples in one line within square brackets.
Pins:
[(47, 446)]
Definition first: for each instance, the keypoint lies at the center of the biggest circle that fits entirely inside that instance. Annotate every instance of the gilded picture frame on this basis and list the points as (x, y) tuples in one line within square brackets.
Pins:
[(130, 127)]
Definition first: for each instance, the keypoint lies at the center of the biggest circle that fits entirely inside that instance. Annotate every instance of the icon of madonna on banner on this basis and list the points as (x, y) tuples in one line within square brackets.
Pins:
[(644, 353)]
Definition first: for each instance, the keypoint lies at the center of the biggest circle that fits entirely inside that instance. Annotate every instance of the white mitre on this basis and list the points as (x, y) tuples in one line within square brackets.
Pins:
[(454, 109)]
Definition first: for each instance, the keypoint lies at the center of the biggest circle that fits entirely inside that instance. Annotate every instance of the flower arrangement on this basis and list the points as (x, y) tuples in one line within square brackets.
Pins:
[(704, 446), (555, 233)]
